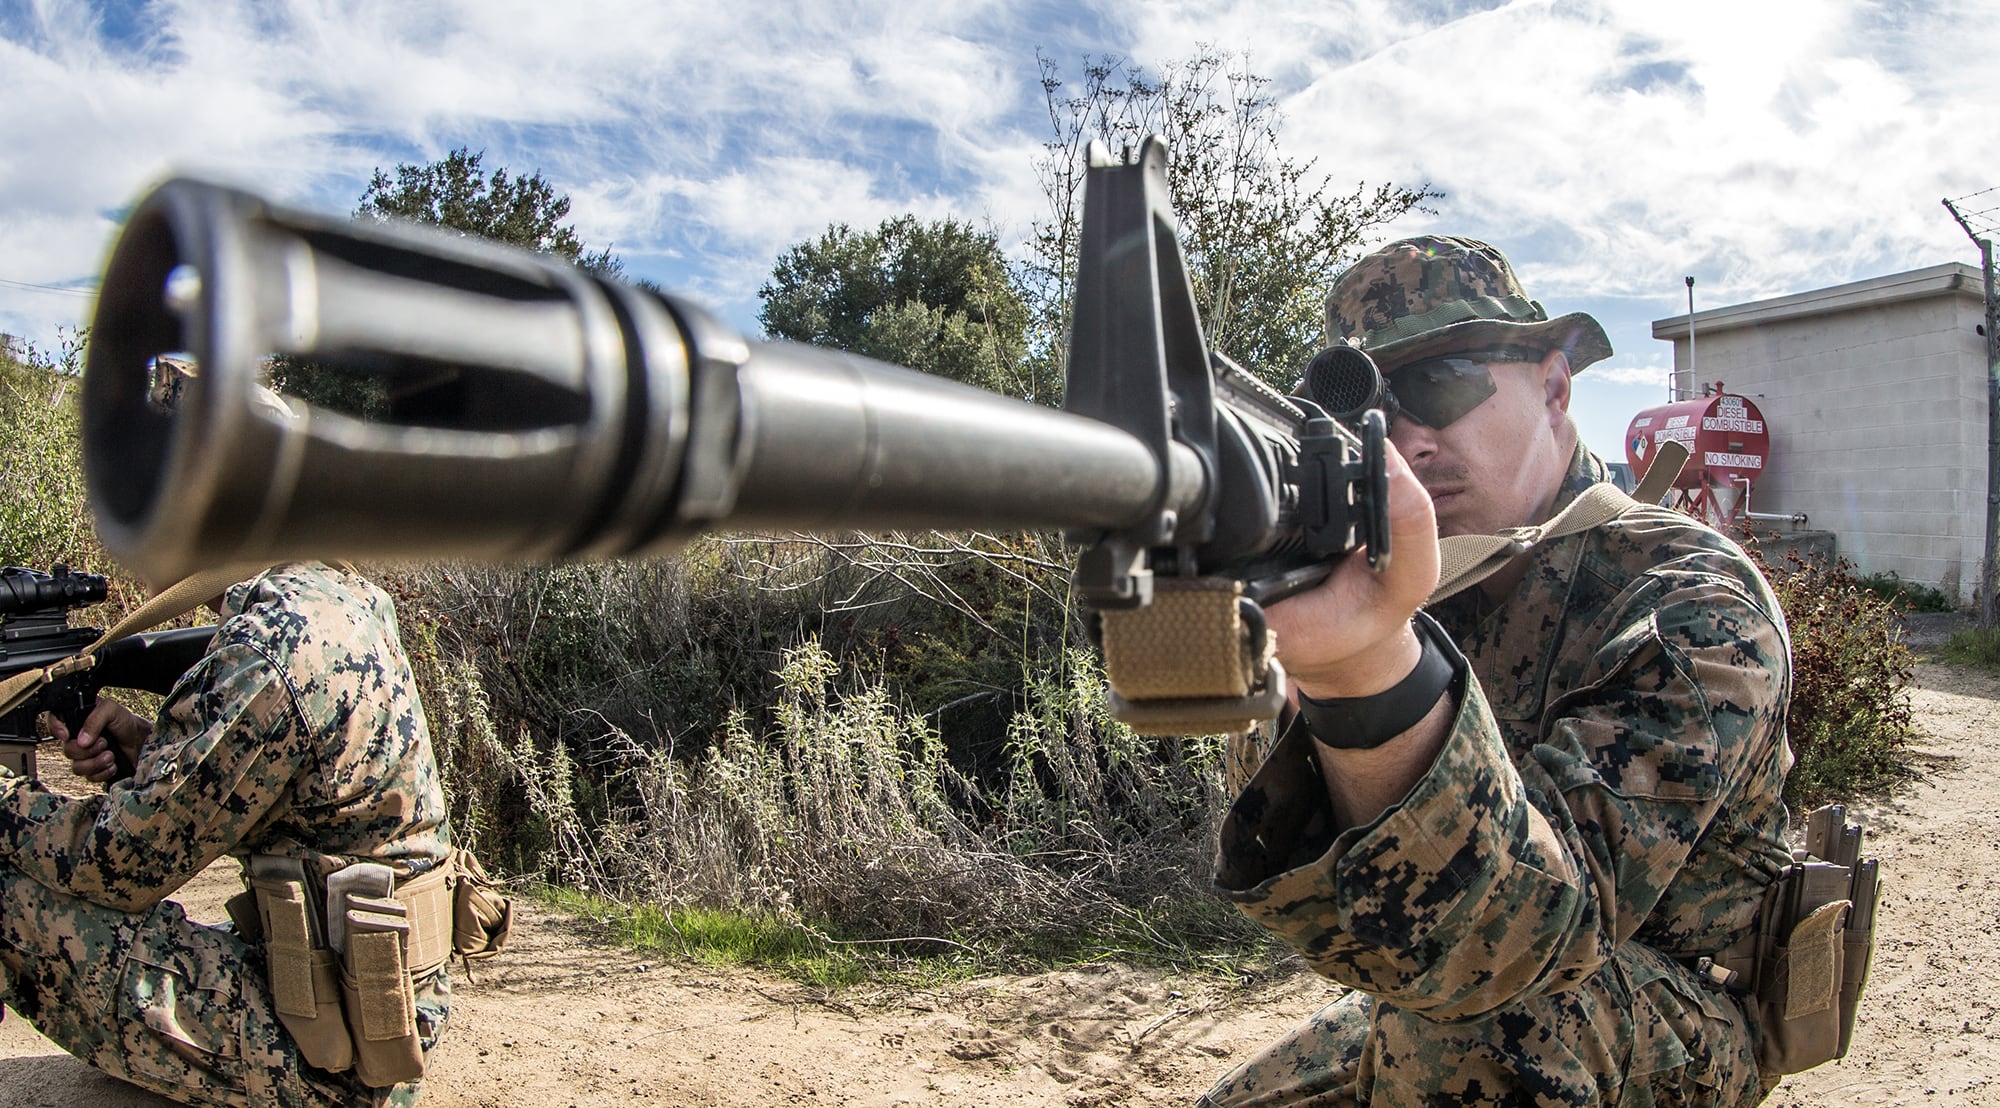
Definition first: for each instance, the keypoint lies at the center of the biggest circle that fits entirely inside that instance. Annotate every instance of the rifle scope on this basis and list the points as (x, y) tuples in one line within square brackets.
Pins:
[(26, 590), (1343, 380)]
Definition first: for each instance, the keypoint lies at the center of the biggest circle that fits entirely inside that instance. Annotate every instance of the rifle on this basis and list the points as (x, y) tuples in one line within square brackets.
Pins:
[(35, 634), (541, 412)]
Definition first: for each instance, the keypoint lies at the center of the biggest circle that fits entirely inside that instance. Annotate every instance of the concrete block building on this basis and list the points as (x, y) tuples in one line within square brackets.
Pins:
[(1875, 397)]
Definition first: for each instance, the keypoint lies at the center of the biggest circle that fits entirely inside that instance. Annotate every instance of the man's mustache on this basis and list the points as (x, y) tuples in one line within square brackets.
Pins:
[(1442, 474)]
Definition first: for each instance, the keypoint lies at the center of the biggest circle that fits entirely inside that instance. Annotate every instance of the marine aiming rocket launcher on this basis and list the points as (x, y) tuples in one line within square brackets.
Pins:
[(542, 412)]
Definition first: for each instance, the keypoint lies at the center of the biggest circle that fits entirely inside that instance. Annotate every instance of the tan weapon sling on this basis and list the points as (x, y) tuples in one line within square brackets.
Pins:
[(176, 600), (1466, 560)]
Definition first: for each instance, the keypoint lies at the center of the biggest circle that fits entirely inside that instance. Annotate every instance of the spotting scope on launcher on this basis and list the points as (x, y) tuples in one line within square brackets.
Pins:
[(543, 412)]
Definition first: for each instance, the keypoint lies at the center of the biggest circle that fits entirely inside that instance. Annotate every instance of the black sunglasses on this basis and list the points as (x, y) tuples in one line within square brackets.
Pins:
[(1438, 392)]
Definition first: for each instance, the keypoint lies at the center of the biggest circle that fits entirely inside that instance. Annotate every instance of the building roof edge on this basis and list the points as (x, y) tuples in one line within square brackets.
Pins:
[(1914, 284)]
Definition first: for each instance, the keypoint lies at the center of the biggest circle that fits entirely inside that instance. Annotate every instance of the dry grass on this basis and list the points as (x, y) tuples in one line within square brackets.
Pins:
[(820, 797)]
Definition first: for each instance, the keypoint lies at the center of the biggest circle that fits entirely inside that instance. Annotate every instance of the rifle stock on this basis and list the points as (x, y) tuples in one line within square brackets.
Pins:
[(541, 412)]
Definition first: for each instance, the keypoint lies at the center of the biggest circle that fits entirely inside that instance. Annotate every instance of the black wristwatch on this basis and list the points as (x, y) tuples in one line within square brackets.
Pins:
[(1366, 722)]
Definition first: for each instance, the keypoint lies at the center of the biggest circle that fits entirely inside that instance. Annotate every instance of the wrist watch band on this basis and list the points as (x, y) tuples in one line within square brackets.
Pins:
[(1366, 722)]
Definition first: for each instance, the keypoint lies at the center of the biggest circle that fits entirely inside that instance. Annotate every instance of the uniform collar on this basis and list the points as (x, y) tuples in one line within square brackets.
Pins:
[(1585, 470), (1512, 643)]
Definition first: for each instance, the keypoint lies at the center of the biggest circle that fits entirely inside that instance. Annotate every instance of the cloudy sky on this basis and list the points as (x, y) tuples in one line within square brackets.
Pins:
[(1611, 147)]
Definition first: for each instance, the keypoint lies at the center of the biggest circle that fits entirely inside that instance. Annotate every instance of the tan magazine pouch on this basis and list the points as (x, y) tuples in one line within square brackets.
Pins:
[(427, 905), (1814, 942), (381, 1004), (305, 977), (355, 1007), (482, 917), (1798, 1001)]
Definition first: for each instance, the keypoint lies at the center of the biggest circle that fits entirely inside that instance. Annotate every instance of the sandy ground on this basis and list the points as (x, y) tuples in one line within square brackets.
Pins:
[(567, 1019)]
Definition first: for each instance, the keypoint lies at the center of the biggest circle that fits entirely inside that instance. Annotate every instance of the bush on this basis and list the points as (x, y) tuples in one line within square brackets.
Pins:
[(42, 515), (1905, 596), (1851, 720), (848, 821), (755, 727)]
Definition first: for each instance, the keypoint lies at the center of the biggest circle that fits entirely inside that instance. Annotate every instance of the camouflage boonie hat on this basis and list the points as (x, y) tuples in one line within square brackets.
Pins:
[(1433, 294)]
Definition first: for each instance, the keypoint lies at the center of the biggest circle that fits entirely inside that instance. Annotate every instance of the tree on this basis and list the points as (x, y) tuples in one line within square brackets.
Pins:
[(1264, 234), (521, 211), (452, 193), (932, 296)]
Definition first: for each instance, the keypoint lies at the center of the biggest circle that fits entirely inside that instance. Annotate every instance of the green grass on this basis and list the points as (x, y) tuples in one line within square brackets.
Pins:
[(706, 936), (1905, 596), (715, 937), (1973, 646), (811, 956)]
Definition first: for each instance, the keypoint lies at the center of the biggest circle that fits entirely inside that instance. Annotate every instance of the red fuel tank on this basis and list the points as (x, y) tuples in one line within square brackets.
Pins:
[(1725, 436)]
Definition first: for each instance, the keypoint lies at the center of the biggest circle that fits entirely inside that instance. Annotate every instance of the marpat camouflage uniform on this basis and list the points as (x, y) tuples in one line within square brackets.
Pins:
[(298, 734), (1605, 810)]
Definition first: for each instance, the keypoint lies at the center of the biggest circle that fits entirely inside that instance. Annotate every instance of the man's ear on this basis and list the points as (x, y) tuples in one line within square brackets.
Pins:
[(1555, 384)]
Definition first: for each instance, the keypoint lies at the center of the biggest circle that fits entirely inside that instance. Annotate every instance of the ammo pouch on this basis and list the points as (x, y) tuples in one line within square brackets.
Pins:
[(380, 1001), (1810, 951), (482, 917), (304, 974), (346, 993)]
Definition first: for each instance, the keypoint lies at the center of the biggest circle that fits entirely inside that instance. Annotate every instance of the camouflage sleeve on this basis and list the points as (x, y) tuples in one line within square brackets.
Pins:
[(218, 763), (1492, 881)]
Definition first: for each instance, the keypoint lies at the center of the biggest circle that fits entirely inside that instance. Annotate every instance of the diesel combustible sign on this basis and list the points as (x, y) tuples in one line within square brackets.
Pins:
[(1724, 434)]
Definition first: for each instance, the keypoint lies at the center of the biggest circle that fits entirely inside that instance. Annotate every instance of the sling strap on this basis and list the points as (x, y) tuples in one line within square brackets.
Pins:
[(1466, 560), (1195, 661)]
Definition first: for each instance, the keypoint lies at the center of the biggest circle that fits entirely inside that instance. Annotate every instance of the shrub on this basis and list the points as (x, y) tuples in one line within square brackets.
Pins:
[(44, 518), (847, 821), (617, 730), (42, 515), (1905, 596), (1851, 720)]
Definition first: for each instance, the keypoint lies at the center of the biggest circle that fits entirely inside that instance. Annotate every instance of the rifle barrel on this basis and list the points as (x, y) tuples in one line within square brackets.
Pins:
[(536, 411)]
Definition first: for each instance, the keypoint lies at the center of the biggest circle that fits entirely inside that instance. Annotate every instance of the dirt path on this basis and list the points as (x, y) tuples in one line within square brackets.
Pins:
[(569, 1020), (1926, 1034)]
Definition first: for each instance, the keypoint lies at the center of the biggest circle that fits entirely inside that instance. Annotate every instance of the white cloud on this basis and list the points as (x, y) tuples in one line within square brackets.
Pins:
[(669, 124), (1652, 374), (1615, 146), (1610, 146)]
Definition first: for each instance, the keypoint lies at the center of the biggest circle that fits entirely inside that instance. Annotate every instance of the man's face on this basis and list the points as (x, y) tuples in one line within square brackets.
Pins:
[(1499, 456)]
